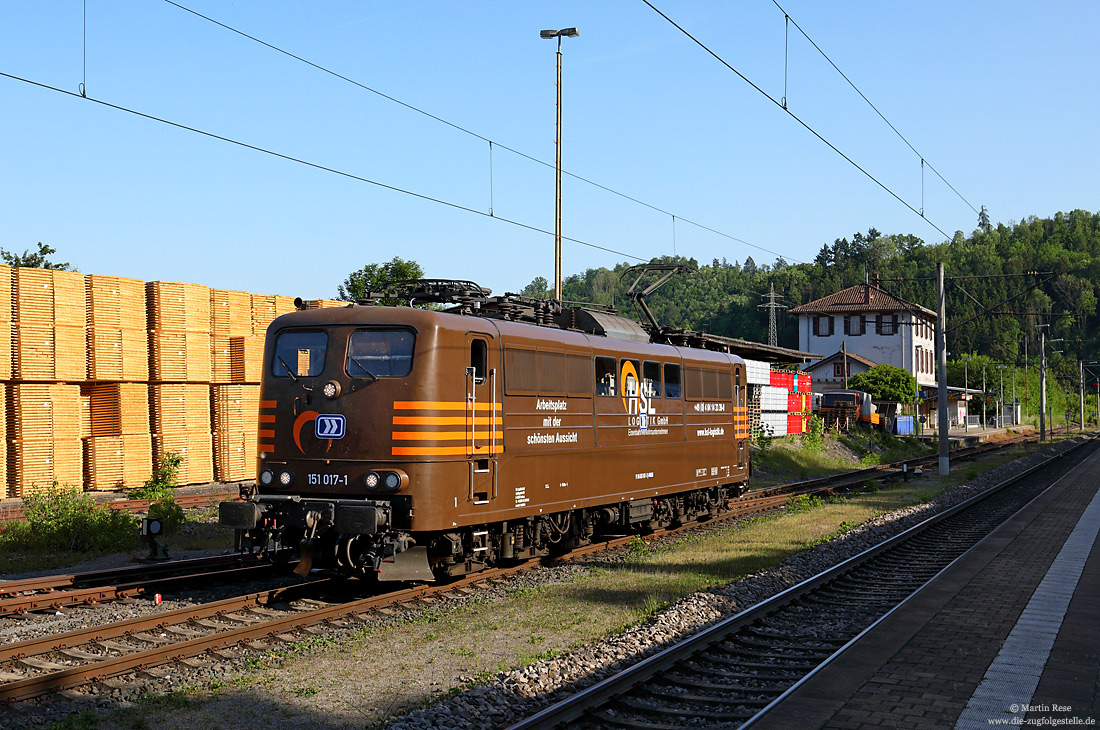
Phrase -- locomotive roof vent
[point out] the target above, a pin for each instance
(609, 325)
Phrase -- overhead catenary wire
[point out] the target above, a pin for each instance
(794, 116)
(314, 165)
(789, 19)
(472, 133)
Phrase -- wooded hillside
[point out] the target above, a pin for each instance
(993, 316)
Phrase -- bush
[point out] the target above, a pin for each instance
(164, 478)
(66, 519)
(168, 512)
(815, 435)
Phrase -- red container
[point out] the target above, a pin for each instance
(795, 424)
(776, 379)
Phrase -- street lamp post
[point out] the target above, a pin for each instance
(567, 33)
(966, 391)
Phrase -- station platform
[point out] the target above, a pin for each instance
(1007, 636)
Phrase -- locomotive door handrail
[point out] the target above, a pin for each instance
(471, 410)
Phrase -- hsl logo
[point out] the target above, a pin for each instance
(330, 426)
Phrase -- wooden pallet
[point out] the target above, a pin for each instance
(179, 357)
(246, 359)
(48, 352)
(324, 303)
(120, 355)
(116, 302)
(49, 297)
(178, 307)
(36, 465)
(180, 408)
(234, 456)
(221, 360)
(118, 462)
(6, 299)
(230, 313)
(117, 409)
(235, 408)
(195, 447)
(43, 411)
(265, 308)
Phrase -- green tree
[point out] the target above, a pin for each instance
(40, 260)
(374, 277)
(539, 288)
(885, 382)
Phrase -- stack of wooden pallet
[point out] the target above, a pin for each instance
(44, 421)
(49, 332)
(5, 325)
(179, 332)
(118, 446)
(324, 303)
(236, 422)
(118, 344)
(230, 316)
(181, 424)
(265, 308)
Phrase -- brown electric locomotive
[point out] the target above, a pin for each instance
(408, 443)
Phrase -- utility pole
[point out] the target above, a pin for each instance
(844, 352)
(941, 364)
(771, 305)
(1042, 383)
(1081, 365)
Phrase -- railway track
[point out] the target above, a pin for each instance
(134, 506)
(260, 621)
(55, 592)
(734, 671)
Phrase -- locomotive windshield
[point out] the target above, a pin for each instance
(299, 354)
(380, 353)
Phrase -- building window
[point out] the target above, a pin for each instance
(854, 325)
(838, 369)
(887, 324)
(823, 326)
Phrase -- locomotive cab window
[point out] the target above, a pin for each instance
(299, 354)
(651, 379)
(672, 381)
(605, 376)
(630, 374)
(479, 359)
(380, 353)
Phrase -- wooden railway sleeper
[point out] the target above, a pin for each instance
(755, 699)
(727, 690)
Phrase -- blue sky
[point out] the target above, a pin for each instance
(1001, 98)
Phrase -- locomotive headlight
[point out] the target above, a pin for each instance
(267, 477)
(392, 480)
(286, 478)
(372, 479)
(331, 389)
